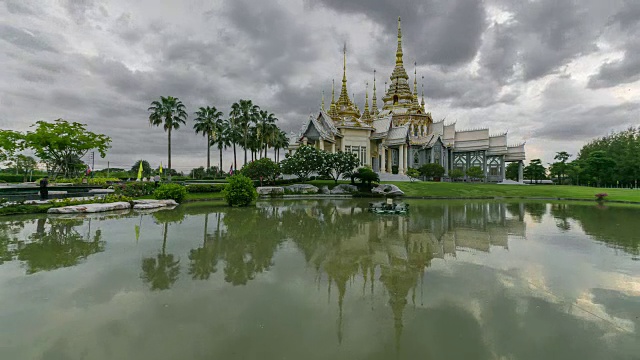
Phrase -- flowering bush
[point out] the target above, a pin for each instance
(303, 162)
(601, 196)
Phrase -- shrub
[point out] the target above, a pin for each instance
(12, 178)
(456, 174)
(475, 172)
(204, 188)
(263, 168)
(176, 192)
(338, 164)
(135, 189)
(366, 175)
(431, 170)
(239, 191)
(413, 174)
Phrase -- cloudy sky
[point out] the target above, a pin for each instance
(553, 73)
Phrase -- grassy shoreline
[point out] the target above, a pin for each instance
(435, 191)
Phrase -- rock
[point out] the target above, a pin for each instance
(101, 191)
(169, 202)
(325, 190)
(302, 189)
(90, 208)
(388, 190)
(58, 192)
(344, 189)
(270, 190)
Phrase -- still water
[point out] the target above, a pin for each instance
(324, 280)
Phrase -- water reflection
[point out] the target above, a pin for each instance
(455, 280)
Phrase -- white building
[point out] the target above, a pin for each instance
(403, 134)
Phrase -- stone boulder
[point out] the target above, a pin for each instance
(302, 189)
(270, 190)
(387, 190)
(101, 191)
(325, 190)
(153, 204)
(90, 208)
(344, 189)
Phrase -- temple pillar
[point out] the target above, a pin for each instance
(368, 155)
(342, 144)
(304, 140)
(520, 171)
(446, 162)
(383, 160)
(389, 160)
(486, 172)
(401, 159)
(320, 144)
(503, 172)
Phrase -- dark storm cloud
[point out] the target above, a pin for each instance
(30, 40)
(542, 36)
(627, 69)
(588, 123)
(19, 7)
(439, 32)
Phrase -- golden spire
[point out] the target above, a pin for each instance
(415, 80)
(366, 115)
(399, 94)
(422, 93)
(399, 50)
(374, 104)
(344, 105)
(333, 111)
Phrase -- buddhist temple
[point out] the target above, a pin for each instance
(402, 134)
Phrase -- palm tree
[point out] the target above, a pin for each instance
(243, 114)
(222, 137)
(264, 127)
(205, 123)
(163, 270)
(234, 136)
(281, 141)
(169, 112)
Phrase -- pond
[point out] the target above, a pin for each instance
(324, 279)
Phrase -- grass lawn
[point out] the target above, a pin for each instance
(465, 190)
(203, 196)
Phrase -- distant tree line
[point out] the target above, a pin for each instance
(612, 160)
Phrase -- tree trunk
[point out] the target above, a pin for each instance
(208, 151)
(169, 154)
(220, 169)
(235, 162)
(245, 148)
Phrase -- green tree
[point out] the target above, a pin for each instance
(262, 169)
(475, 172)
(243, 114)
(281, 141)
(10, 143)
(559, 168)
(23, 164)
(170, 113)
(512, 171)
(456, 174)
(303, 162)
(197, 173)
(535, 171)
(431, 170)
(221, 137)
(206, 122)
(338, 164)
(61, 144)
(146, 168)
(266, 130)
(600, 165)
(366, 175)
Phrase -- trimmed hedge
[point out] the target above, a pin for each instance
(204, 188)
(175, 192)
(12, 178)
